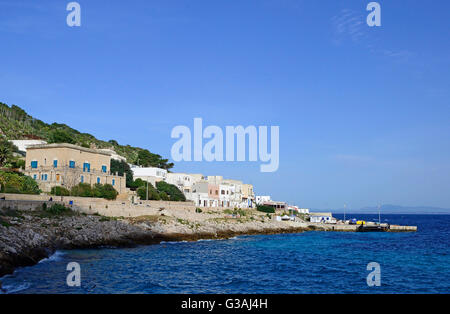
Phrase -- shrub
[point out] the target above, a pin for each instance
(198, 210)
(59, 191)
(152, 193)
(82, 190)
(105, 191)
(265, 209)
(164, 196)
(171, 190)
(13, 182)
(56, 209)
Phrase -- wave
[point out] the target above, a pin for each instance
(14, 289)
(57, 256)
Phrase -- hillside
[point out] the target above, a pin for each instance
(16, 124)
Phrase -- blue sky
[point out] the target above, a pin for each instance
(363, 112)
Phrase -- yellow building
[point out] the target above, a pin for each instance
(248, 196)
(68, 165)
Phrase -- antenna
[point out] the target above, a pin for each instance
(379, 214)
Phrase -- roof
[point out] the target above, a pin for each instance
(70, 146)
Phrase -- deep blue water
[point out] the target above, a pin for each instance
(310, 262)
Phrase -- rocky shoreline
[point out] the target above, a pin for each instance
(28, 237)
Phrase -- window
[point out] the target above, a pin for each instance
(34, 164)
(104, 169)
(98, 179)
(87, 167)
(113, 182)
(34, 177)
(82, 179)
(71, 164)
(55, 163)
(44, 177)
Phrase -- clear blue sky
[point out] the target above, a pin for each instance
(363, 112)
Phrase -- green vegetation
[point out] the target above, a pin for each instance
(198, 210)
(122, 167)
(7, 150)
(265, 209)
(17, 183)
(153, 194)
(62, 136)
(15, 123)
(56, 210)
(59, 191)
(163, 191)
(171, 190)
(105, 191)
(4, 223)
(147, 159)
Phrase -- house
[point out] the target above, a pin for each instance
(214, 190)
(262, 199)
(323, 219)
(276, 205)
(182, 181)
(114, 155)
(149, 174)
(248, 196)
(224, 195)
(22, 145)
(200, 194)
(68, 165)
(235, 187)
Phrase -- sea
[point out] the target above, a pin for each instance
(309, 262)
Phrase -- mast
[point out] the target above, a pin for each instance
(379, 214)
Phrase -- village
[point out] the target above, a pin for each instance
(67, 167)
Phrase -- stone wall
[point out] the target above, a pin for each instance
(94, 205)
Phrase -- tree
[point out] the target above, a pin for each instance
(82, 190)
(147, 159)
(153, 194)
(171, 190)
(61, 136)
(105, 191)
(7, 150)
(122, 167)
(13, 182)
(59, 191)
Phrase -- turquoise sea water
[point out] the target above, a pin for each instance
(310, 262)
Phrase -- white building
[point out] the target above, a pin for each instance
(22, 145)
(323, 219)
(235, 188)
(199, 194)
(149, 174)
(299, 210)
(182, 181)
(114, 155)
(260, 200)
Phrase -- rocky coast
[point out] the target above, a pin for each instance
(26, 237)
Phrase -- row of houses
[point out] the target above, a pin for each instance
(67, 165)
(204, 191)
